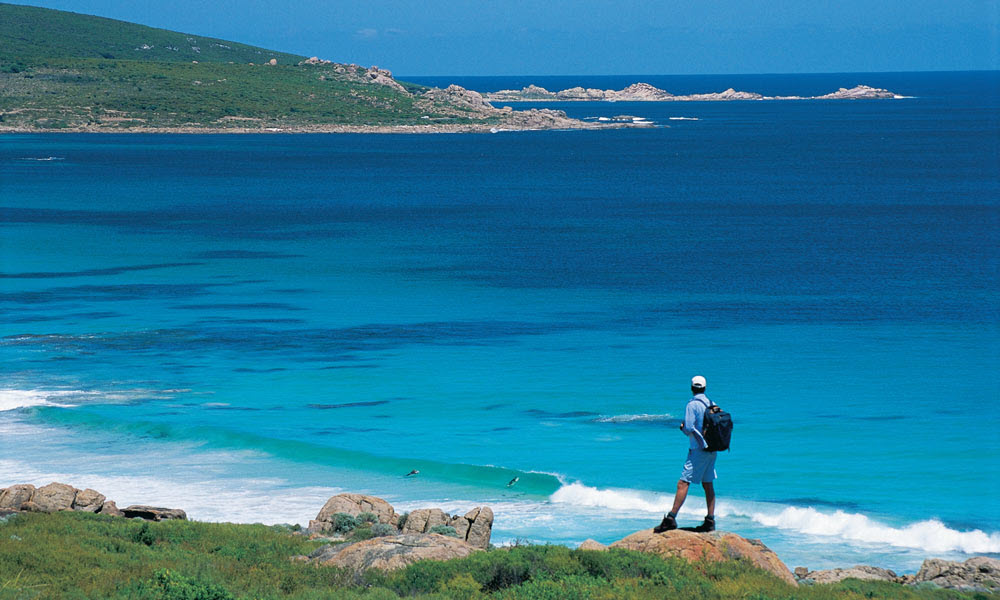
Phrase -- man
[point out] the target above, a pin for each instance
(700, 464)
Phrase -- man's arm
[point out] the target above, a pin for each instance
(690, 426)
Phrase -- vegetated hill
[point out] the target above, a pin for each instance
(61, 70)
(28, 33)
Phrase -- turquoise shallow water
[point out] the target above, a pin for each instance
(244, 325)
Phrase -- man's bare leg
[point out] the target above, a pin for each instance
(681, 496)
(709, 497)
(670, 519)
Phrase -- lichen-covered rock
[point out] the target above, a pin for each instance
(15, 496)
(459, 96)
(857, 572)
(111, 509)
(354, 505)
(475, 527)
(53, 498)
(461, 526)
(384, 77)
(320, 527)
(153, 513)
(392, 552)
(88, 500)
(424, 519)
(481, 527)
(593, 545)
(716, 546)
(979, 573)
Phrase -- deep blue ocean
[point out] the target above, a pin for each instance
(244, 325)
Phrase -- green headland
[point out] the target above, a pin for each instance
(62, 71)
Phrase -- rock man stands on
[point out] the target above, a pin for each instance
(700, 464)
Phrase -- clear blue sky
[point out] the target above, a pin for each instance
(600, 37)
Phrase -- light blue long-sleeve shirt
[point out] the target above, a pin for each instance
(694, 419)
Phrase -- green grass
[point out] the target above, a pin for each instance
(30, 33)
(61, 70)
(85, 556)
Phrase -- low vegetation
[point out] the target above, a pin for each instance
(61, 70)
(86, 556)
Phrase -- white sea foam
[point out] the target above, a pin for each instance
(930, 535)
(641, 418)
(251, 500)
(577, 494)
(13, 399)
(684, 119)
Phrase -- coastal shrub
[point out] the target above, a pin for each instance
(360, 534)
(73, 555)
(402, 520)
(383, 529)
(344, 523)
(143, 535)
(444, 530)
(462, 587)
(368, 517)
(178, 587)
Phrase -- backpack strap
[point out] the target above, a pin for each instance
(709, 405)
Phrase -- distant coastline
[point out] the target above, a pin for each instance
(492, 119)
(644, 92)
(67, 72)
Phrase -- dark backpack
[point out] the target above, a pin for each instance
(717, 427)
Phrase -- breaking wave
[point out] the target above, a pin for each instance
(11, 399)
(640, 418)
(930, 535)
(251, 500)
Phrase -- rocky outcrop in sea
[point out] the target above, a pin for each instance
(457, 101)
(447, 104)
(644, 92)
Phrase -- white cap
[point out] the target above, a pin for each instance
(698, 382)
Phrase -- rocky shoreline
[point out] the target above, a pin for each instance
(644, 92)
(398, 540)
(460, 110)
(457, 110)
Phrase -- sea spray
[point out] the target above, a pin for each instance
(931, 535)
(13, 399)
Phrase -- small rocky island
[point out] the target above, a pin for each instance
(644, 92)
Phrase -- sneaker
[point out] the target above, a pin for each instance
(707, 525)
(666, 524)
